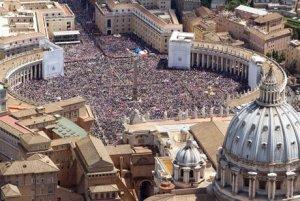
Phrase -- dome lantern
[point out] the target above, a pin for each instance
(270, 94)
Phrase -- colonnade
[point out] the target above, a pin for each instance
(220, 62)
(26, 73)
(273, 183)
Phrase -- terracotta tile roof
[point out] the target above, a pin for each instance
(37, 120)
(35, 138)
(104, 188)
(62, 141)
(10, 191)
(33, 165)
(209, 137)
(119, 149)
(20, 37)
(268, 17)
(93, 153)
(24, 113)
(70, 101)
(12, 122)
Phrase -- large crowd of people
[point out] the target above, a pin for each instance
(108, 84)
(99, 69)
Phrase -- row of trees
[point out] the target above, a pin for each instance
(279, 57)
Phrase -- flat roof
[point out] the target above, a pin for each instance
(249, 9)
(66, 33)
(67, 128)
(182, 36)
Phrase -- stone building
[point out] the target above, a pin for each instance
(94, 169)
(45, 18)
(154, 26)
(261, 31)
(31, 179)
(292, 56)
(135, 164)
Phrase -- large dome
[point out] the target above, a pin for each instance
(189, 155)
(265, 131)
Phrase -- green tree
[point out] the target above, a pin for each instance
(281, 58)
(232, 4)
(275, 55)
(206, 3)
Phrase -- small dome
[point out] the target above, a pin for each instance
(189, 155)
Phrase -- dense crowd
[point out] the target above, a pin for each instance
(107, 84)
(99, 69)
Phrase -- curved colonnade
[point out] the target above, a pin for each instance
(20, 68)
(236, 61)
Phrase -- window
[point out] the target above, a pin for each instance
(278, 185)
(181, 173)
(191, 174)
(262, 185)
(108, 23)
(50, 189)
(246, 182)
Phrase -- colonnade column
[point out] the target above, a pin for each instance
(186, 174)
(35, 72)
(197, 174)
(252, 184)
(192, 59)
(222, 64)
(176, 171)
(214, 65)
(223, 174)
(234, 180)
(290, 176)
(197, 59)
(271, 185)
(31, 72)
(40, 71)
(207, 61)
(239, 66)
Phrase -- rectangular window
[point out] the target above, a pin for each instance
(108, 23)
(262, 185)
(246, 182)
(50, 189)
